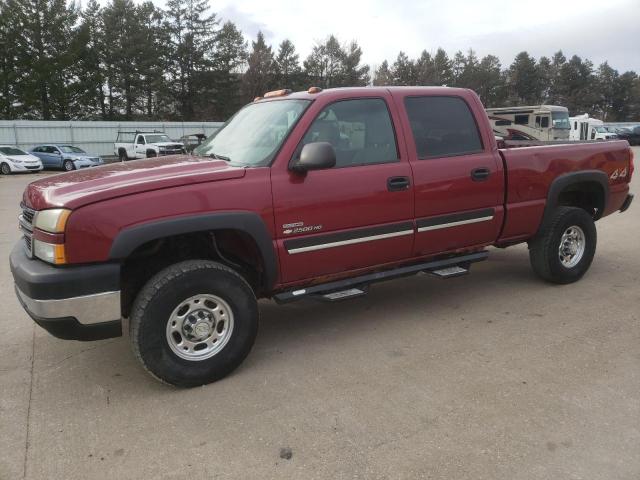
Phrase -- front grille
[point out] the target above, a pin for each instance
(28, 243)
(26, 226)
(28, 214)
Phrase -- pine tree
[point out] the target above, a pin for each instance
(88, 64)
(403, 70)
(442, 70)
(606, 78)
(353, 73)
(192, 38)
(490, 84)
(229, 57)
(424, 69)
(287, 67)
(524, 81)
(42, 56)
(324, 65)
(260, 75)
(383, 75)
(8, 74)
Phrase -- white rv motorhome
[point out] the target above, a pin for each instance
(539, 122)
(585, 128)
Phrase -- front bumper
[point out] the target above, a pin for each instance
(74, 302)
(22, 167)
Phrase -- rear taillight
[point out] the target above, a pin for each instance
(630, 163)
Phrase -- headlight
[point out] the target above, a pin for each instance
(15, 160)
(49, 252)
(52, 221)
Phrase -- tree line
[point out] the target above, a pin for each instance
(126, 61)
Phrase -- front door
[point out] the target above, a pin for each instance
(458, 177)
(356, 215)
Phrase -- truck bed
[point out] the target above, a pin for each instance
(530, 171)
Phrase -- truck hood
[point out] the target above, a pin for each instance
(82, 187)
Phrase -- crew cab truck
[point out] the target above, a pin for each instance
(139, 144)
(314, 194)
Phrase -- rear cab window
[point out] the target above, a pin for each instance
(442, 126)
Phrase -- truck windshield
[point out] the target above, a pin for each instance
(254, 134)
(560, 120)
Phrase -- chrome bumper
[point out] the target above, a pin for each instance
(88, 309)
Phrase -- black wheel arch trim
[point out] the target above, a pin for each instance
(568, 179)
(248, 222)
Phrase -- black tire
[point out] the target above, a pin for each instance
(5, 169)
(544, 250)
(162, 295)
(122, 155)
(68, 166)
(151, 154)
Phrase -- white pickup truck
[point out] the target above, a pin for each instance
(132, 145)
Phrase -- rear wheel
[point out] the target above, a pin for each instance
(122, 155)
(563, 251)
(5, 169)
(193, 323)
(68, 165)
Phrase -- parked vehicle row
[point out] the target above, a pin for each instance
(53, 156)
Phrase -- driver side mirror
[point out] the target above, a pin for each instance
(315, 156)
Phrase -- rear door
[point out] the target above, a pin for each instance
(457, 172)
(356, 215)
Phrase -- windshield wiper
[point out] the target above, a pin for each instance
(219, 157)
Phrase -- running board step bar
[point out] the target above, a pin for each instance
(343, 289)
(450, 272)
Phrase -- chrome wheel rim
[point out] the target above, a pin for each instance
(68, 166)
(199, 327)
(572, 246)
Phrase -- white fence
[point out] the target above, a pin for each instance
(93, 137)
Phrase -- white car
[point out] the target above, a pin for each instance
(14, 160)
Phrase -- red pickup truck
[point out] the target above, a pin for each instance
(313, 194)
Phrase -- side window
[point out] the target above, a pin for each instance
(593, 133)
(545, 122)
(51, 150)
(360, 131)
(140, 140)
(502, 123)
(442, 126)
(37, 150)
(537, 121)
(522, 119)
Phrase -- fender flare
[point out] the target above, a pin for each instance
(568, 179)
(250, 223)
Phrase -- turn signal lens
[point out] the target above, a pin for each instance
(631, 158)
(53, 220)
(49, 252)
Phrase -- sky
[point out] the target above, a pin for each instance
(598, 30)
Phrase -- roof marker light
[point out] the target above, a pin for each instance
(277, 93)
(314, 90)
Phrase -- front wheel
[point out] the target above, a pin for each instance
(193, 323)
(68, 166)
(562, 253)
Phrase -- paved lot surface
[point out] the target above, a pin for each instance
(491, 376)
